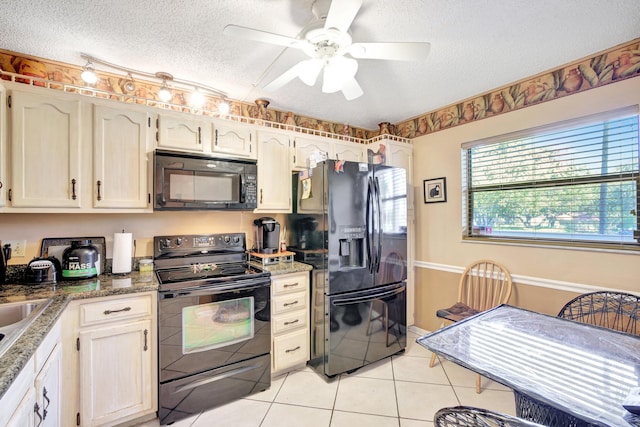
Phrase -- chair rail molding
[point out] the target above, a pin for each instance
(559, 285)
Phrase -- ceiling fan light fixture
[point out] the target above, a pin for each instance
(336, 72)
(309, 71)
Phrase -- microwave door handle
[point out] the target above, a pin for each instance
(163, 188)
(243, 192)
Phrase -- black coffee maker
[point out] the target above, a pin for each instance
(267, 235)
(5, 255)
(307, 237)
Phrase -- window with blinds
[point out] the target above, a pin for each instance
(573, 182)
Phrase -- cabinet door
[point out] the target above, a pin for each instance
(120, 158)
(349, 151)
(48, 390)
(233, 140)
(183, 132)
(24, 415)
(274, 173)
(45, 151)
(304, 148)
(115, 372)
(3, 146)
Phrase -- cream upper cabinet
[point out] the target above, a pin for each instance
(183, 132)
(3, 146)
(348, 151)
(274, 172)
(45, 151)
(305, 148)
(234, 140)
(120, 169)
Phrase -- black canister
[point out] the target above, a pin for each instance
(80, 261)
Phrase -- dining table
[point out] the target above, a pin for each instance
(562, 372)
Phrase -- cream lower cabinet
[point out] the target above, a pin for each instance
(35, 397)
(289, 321)
(113, 370)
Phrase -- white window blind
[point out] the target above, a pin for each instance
(571, 182)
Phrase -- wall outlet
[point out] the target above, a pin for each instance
(18, 247)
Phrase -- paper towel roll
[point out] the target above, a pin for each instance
(122, 246)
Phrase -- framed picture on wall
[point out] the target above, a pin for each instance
(435, 190)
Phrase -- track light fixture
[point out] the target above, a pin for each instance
(196, 100)
(165, 93)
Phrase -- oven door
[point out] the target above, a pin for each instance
(206, 328)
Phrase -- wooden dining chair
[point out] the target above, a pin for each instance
(609, 309)
(467, 416)
(483, 285)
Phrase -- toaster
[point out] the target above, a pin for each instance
(42, 270)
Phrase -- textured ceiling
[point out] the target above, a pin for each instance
(476, 45)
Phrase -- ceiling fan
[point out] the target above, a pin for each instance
(328, 44)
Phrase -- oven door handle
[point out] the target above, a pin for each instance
(202, 382)
(217, 289)
(367, 298)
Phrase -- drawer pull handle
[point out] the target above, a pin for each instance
(287, 304)
(292, 349)
(107, 312)
(146, 332)
(293, 322)
(291, 285)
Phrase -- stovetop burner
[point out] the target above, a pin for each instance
(194, 272)
(202, 260)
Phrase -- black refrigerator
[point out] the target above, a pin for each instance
(359, 297)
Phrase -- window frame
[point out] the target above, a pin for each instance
(528, 240)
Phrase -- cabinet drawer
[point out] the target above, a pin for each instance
(115, 309)
(286, 303)
(283, 285)
(288, 322)
(290, 349)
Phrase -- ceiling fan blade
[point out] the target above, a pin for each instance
(336, 72)
(351, 89)
(284, 78)
(261, 36)
(341, 14)
(400, 51)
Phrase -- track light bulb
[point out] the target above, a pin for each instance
(197, 99)
(224, 107)
(129, 85)
(88, 74)
(164, 94)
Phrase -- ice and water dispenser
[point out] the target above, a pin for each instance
(351, 251)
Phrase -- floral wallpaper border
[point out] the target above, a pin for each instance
(612, 65)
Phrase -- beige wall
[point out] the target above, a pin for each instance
(439, 225)
(34, 227)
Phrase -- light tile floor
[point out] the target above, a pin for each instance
(401, 391)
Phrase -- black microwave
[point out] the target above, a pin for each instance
(185, 181)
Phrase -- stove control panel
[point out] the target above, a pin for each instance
(200, 242)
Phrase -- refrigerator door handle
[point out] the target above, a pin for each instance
(378, 225)
(367, 298)
(369, 226)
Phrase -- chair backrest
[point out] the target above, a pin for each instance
(613, 310)
(484, 285)
(467, 416)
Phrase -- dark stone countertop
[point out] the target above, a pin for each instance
(19, 353)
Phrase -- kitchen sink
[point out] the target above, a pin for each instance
(15, 318)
